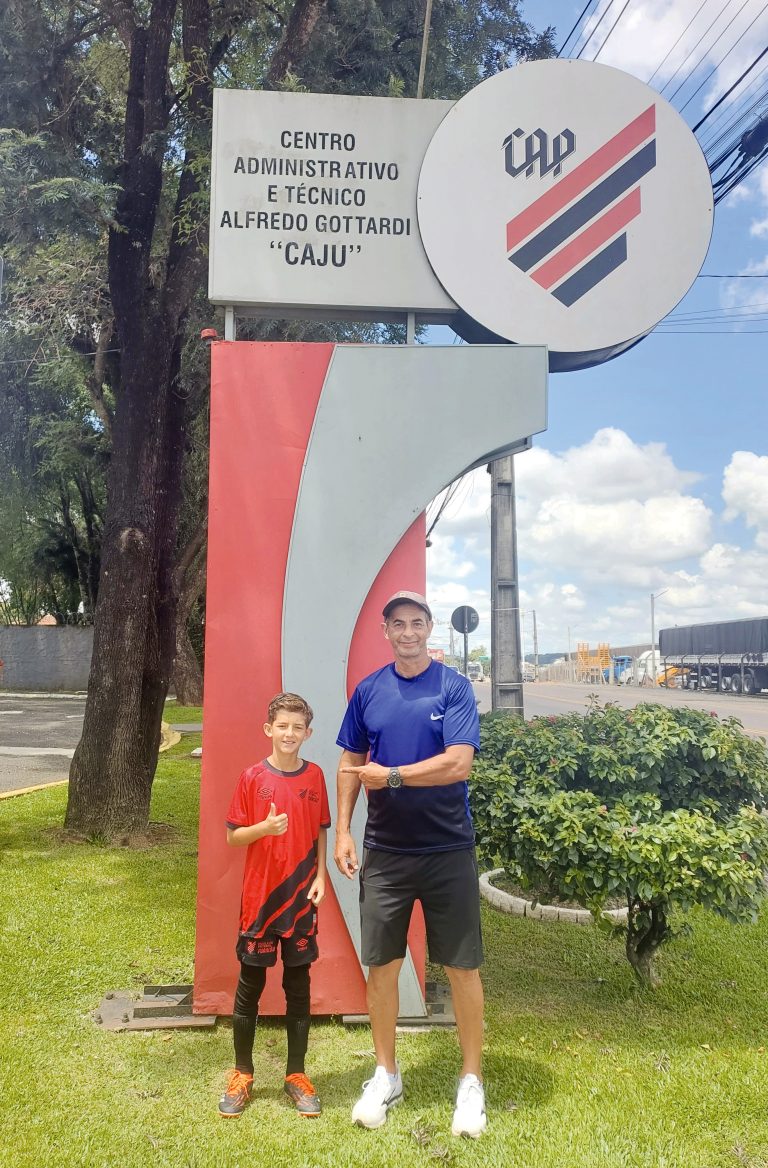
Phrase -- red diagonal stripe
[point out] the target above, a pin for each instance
(593, 237)
(583, 176)
(299, 887)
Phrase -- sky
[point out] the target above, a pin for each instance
(652, 476)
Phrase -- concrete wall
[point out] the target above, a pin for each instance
(45, 657)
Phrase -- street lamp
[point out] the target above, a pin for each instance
(571, 674)
(654, 598)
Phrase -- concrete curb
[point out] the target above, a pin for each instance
(168, 737)
(518, 907)
(54, 695)
(29, 790)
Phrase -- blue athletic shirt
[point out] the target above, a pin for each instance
(403, 720)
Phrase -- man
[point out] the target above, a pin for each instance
(418, 723)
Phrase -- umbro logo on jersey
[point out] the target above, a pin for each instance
(266, 793)
(436, 717)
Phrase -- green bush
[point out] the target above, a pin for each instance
(658, 807)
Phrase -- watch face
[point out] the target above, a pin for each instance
(395, 778)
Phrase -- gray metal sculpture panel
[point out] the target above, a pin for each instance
(393, 427)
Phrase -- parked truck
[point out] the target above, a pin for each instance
(731, 656)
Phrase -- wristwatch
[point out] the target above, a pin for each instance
(394, 778)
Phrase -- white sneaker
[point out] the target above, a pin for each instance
(379, 1094)
(469, 1118)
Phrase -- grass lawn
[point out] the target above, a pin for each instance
(174, 712)
(582, 1070)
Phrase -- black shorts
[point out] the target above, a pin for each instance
(298, 949)
(446, 883)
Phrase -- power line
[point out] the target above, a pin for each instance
(677, 42)
(579, 19)
(49, 360)
(746, 309)
(687, 58)
(727, 55)
(716, 41)
(733, 113)
(737, 178)
(735, 119)
(603, 15)
(613, 26)
(710, 332)
(447, 497)
(718, 321)
(735, 85)
(748, 147)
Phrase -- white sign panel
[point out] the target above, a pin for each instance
(313, 204)
(565, 203)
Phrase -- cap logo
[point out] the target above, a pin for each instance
(537, 150)
(584, 222)
(546, 197)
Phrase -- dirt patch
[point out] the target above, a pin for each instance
(156, 835)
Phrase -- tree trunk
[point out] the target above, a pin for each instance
(134, 630)
(135, 623)
(643, 939)
(303, 19)
(114, 764)
(190, 582)
(187, 674)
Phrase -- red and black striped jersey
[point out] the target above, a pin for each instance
(279, 869)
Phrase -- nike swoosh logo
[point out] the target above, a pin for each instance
(436, 717)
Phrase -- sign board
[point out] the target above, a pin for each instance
(560, 202)
(313, 205)
(565, 203)
(465, 619)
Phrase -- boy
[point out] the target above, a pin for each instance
(280, 812)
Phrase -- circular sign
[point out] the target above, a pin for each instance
(565, 203)
(465, 619)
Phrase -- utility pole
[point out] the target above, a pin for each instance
(506, 680)
(653, 632)
(535, 648)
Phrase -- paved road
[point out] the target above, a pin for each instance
(38, 736)
(545, 697)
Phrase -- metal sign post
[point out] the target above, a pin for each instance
(465, 620)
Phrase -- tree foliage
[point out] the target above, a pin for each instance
(660, 807)
(104, 157)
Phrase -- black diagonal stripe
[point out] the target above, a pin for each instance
(287, 919)
(587, 208)
(283, 893)
(593, 272)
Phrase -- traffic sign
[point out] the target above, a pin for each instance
(465, 619)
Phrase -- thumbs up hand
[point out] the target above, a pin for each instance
(275, 824)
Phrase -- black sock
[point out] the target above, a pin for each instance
(297, 1030)
(243, 1032)
(246, 1011)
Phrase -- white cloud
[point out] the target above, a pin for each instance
(664, 42)
(444, 562)
(600, 527)
(617, 536)
(745, 489)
